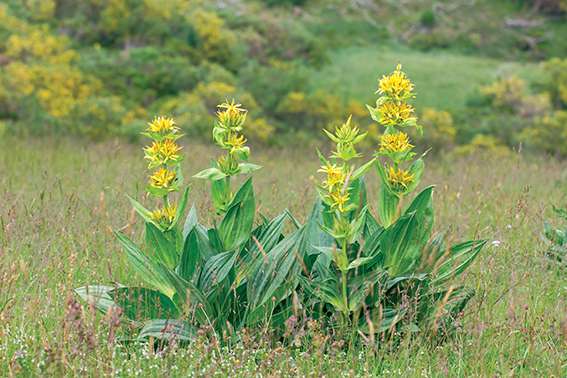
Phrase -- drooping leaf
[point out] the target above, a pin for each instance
(97, 295)
(139, 303)
(167, 330)
(143, 212)
(153, 272)
(459, 258)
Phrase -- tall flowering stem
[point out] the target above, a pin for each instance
(340, 193)
(228, 135)
(163, 156)
(400, 172)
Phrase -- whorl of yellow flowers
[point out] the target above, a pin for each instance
(164, 161)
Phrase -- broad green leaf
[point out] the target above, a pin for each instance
(358, 262)
(191, 255)
(153, 272)
(388, 201)
(246, 168)
(98, 295)
(161, 246)
(277, 269)
(313, 236)
(190, 221)
(139, 303)
(212, 174)
(460, 257)
(416, 169)
(216, 269)
(180, 208)
(168, 330)
(360, 171)
(236, 226)
(395, 242)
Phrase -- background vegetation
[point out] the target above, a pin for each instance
(490, 74)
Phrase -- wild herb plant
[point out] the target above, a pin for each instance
(556, 238)
(200, 277)
(344, 267)
(382, 275)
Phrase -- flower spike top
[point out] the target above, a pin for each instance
(346, 137)
(397, 86)
(394, 113)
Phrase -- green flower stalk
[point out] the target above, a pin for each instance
(338, 192)
(227, 134)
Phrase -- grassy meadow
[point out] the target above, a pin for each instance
(62, 198)
(446, 80)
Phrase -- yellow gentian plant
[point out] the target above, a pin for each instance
(385, 274)
(228, 135)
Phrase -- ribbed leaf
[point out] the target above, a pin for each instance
(153, 272)
(98, 296)
(216, 269)
(388, 201)
(460, 257)
(274, 271)
(161, 246)
(191, 255)
(167, 329)
(236, 226)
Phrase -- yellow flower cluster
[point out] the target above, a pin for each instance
(397, 86)
(395, 113)
(164, 158)
(164, 152)
(336, 193)
(165, 215)
(163, 178)
(399, 179)
(395, 143)
(163, 125)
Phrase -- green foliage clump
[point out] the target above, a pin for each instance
(351, 272)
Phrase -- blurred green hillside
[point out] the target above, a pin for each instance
(490, 74)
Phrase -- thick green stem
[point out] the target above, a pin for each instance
(344, 282)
